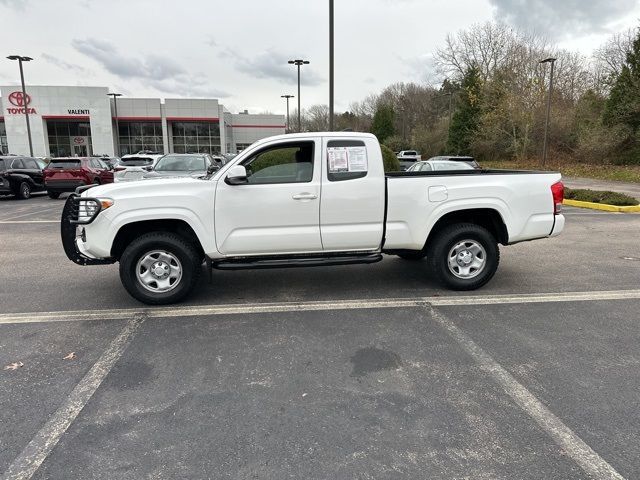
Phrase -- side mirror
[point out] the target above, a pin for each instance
(212, 168)
(237, 176)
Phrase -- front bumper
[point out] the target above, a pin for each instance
(71, 230)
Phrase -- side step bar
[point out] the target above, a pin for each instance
(245, 263)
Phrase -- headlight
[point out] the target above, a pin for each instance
(88, 209)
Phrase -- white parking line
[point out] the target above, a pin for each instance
(581, 453)
(243, 308)
(9, 219)
(28, 462)
(29, 221)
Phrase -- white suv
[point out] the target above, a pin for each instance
(133, 166)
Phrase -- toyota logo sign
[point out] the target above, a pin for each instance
(18, 99)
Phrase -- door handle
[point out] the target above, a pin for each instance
(304, 196)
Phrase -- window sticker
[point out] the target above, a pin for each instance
(347, 159)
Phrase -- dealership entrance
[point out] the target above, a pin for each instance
(69, 138)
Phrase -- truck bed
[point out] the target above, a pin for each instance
(416, 200)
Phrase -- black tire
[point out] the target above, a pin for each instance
(183, 250)
(96, 181)
(443, 244)
(412, 256)
(53, 195)
(24, 191)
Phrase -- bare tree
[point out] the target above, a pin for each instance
(317, 118)
(612, 55)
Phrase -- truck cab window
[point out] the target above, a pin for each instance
(285, 163)
(335, 175)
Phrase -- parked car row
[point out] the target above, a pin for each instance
(411, 160)
(20, 176)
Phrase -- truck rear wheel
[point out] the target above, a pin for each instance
(464, 256)
(159, 268)
(53, 195)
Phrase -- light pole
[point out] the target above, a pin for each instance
(115, 112)
(450, 95)
(287, 97)
(552, 61)
(330, 65)
(298, 63)
(25, 98)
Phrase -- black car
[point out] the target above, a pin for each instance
(20, 176)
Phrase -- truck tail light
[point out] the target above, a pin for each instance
(557, 190)
(119, 169)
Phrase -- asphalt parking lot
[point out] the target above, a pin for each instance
(367, 371)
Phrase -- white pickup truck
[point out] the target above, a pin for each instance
(309, 199)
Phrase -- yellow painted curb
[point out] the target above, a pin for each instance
(601, 206)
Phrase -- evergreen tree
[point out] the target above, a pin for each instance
(466, 118)
(383, 122)
(623, 104)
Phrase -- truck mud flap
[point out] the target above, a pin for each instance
(68, 234)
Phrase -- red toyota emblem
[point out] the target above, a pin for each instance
(78, 140)
(18, 99)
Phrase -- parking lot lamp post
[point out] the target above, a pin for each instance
(115, 112)
(331, 70)
(450, 95)
(552, 61)
(25, 103)
(287, 97)
(298, 63)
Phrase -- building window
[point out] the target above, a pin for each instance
(4, 147)
(196, 137)
(138, 136)
(68, 139)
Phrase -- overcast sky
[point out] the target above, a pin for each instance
(237, 50)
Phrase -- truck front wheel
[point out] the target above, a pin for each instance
(159, 268)
(464, 256)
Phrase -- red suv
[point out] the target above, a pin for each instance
(66, 174)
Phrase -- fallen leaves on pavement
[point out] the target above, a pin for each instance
(14, 366)
(71, 356)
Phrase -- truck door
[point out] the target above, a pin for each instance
(353, 197)
(277, 211)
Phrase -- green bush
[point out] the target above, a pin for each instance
(389, 159)
(596, 196)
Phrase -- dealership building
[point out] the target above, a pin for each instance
(79, 121)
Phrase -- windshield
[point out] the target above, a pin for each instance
(64, 164)
(446, 165)
(136, 161)
(180, 163)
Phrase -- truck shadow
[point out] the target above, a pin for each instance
(390, 278)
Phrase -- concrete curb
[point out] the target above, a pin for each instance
(601, 206)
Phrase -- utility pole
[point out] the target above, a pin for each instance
(287, 97)
(298, 63)
(552, 61)
(115, 108)
(331, 70)
(25, 97)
